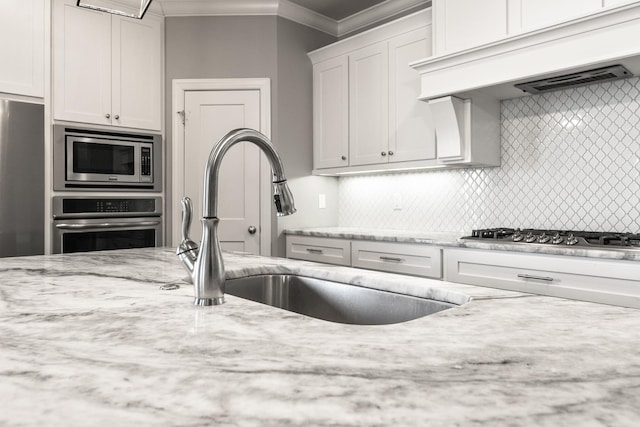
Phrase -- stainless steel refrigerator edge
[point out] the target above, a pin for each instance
(21, 178)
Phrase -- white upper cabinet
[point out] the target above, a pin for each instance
(366, 110)
(22, 31)
(411, 134)
(461, 24)
(331, 113)
(368, 105)
(82, 64)
(527, 15)
(464, 24)
(137, 72)
(107, 69)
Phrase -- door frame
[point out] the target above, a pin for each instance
(179, 89)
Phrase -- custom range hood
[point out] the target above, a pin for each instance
(593, 49)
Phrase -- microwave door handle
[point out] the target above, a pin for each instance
(72, 226)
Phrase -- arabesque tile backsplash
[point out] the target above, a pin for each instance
(570, 160)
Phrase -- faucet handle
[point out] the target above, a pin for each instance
(187, 210)
(186, 244)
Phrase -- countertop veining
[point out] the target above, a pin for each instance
(90, 339)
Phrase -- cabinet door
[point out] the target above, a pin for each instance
(462, 24)
(417, 260)
(319, 249)
(528, 15)
(597, 280)
(369, 105)
(81, 64)
(411, 132)
(22, 47)
(137, 72)
(331, 113)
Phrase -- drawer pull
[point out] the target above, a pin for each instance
(391, 259)
(529, 276)
(314, 251)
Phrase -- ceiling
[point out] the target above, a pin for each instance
(335, 17)
(337, 9)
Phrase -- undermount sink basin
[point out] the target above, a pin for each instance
(333, 301)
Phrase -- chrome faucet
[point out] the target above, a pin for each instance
(205, 264)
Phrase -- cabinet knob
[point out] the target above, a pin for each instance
(116, 117)
(384, 153)
(252, 229)
(344, 157)
(390, 152)
(108, 116)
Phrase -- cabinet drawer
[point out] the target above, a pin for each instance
(411, 259)
(331, 251)
(587, 279)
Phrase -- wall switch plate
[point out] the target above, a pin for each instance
(322, 201)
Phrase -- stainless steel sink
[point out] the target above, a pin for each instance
(332, 301)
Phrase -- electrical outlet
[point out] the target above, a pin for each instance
(322, 201)
(397, 202)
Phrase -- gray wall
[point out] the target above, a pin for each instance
(258, 46)
(294, 98)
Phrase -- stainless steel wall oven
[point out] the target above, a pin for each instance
(106, 160)
(83, 224)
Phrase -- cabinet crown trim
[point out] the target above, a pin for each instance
(384, 32)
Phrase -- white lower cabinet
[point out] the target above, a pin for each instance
(587, 279)
(319, 249)
(403, 258)
(417, 260)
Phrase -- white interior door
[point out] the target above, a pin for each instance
(209, 115)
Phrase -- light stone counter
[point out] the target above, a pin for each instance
(455, 240)
(91, 340)
(380, 235)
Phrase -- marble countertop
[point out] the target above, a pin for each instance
(446, 239)
(90, 339)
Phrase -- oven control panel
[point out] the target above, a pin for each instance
(104, 206)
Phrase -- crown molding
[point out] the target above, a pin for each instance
(291, 11)
(309, 18)
(377, 13)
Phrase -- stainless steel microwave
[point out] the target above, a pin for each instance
(105, 160)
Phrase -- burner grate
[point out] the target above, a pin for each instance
(558, 237)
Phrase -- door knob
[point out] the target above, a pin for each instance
(252, 229)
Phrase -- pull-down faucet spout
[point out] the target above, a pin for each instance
(205, 264)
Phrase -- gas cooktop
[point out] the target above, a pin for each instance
(567, 238)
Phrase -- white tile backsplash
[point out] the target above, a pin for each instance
(570, 160)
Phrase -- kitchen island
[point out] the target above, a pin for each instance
(91, 339)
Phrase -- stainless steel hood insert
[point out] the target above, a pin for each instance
(584, 78)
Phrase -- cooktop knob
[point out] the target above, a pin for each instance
(530, 237)
(543, 238)
(557, 239)
(572, 240)
(517, 236)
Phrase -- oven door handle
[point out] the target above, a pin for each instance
(72, 226)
